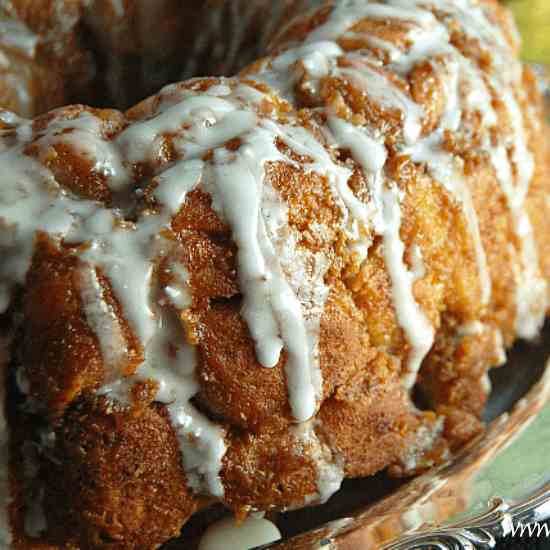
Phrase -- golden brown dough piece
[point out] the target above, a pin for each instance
(229, 292)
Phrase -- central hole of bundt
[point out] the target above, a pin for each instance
(202, 46)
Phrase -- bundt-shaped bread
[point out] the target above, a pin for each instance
(233, 291)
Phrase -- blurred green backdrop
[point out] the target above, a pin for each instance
(533, 17)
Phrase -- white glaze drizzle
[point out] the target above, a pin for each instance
(425, 436)
(236, 184)
(430, 39)
(228, 534)
(118, 8)
(32, 202)
(125, 253)
(417, 262)
(278, 314)
(371, 156)
(531, 292)
(330, 473)
(86, 140)
(15, 35)
(447, 170)
(178, 291)
(531, 288)
(381, 90)
(347, 13)
(103, 321)
(500, 350)
(465, 89)
(472, 328)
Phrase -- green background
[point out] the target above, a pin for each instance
(533, 17)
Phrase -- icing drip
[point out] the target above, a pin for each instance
(417, 262)
(282, 283)
(118, 7)
(227, 534)
(177, 292)
(103, 321)
(387, 95)
(236, 183)
(125, 254)
(447, 170)
(531, 294)
(429, 38)
(263, 282)
(371, 155)
(465, 89)
(15, 35)
(347, 13)
(33, 202)
(330, 473)
(86, 139)
(417, 327)
(237, 198)
(171, 363)
(531, 288)
(426, 435)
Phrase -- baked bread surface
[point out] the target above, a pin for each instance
(233, 291)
